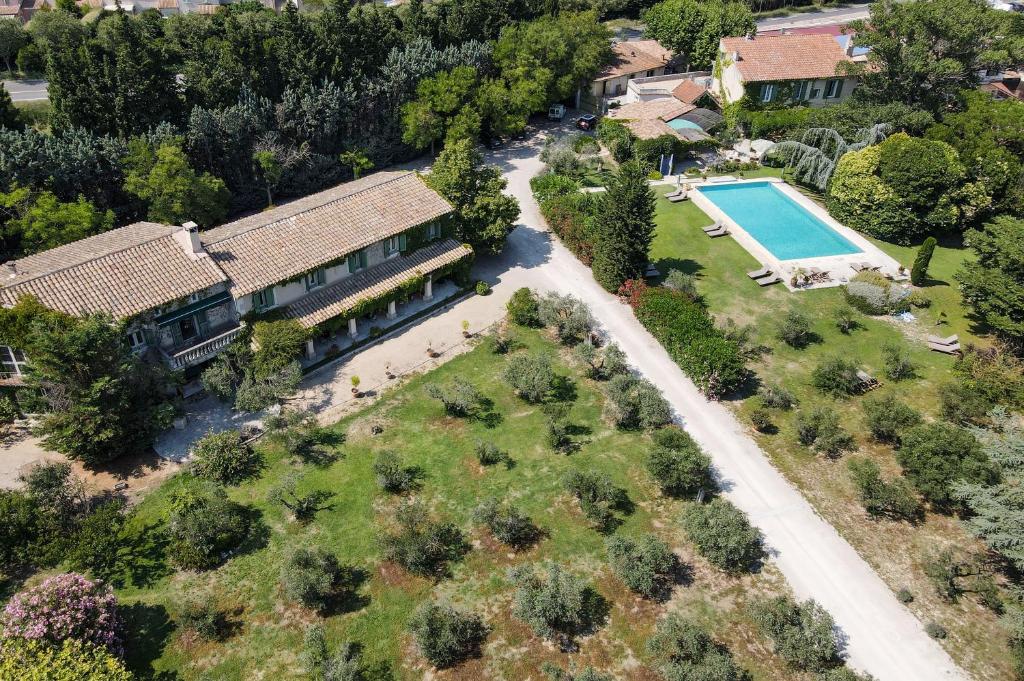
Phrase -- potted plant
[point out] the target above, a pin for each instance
(355, 385)
(465, 329)
(430, 349)
(387, 371)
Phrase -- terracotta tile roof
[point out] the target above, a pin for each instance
(785, 57)
(121, 272)
(688, 91)
(281, 243)
(664, 109)
(387, 276)
(9, 10)
(634, 56)
(207, 9)
(167, 4)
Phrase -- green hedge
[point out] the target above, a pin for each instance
(686, 330)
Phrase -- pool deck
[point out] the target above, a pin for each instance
(839, 267)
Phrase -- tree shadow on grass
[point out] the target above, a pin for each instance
(563, 389)
(351, 600)
(596, 609)
(486, 415)
(142, 558)
(684, 265)
(148, 628)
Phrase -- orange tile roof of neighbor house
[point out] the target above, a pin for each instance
(785, 57)
(634, 56)
(688, 92)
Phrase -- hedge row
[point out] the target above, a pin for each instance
(686, 330)
(568, 212)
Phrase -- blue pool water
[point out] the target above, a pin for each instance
(682, 123)
(777, 222)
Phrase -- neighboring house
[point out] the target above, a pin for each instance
(688, 88)
(12, 10)
(324, 260)
(1005, 85)
(631, 59)
(666, 116)
(783, 69)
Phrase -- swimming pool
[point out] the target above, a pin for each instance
(683, 124)
(777, 222)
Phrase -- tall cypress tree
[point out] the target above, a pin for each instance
(624, 227)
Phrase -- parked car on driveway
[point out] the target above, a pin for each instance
(586, 122)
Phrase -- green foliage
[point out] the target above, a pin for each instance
(315, 579)
(723, 535)
(441, 109)
(886, 416)
(803, 634)
(43, 221)
(224, 458)
(893, 499)
(845, 319)
(687, 332)
(278, 343)
(898, 366)
(460, 399)
(820, 430)
(19, 527)
(682, 282)
(552, 185)
(393, 476)
(33, 660)
(567, 315)
(645, 565)
(684, 650)
(873, 294)
(484, 216)
(507, 523)
(694, 28)
(482, 288)
(761, 419)
(522, 308)
(678, 464)
(98, 540)
(219, 378)
(795, 329)
(936, 630)
(599, 497)
(836, 376)
(624, 227)
(572, 217)
(530, 375)
(446, 636)
(934, 456)
(254, 394)
(555, 605)
(303, 505)
(199, 615)
(173, 191)
(420, 545)
(203, 526)
(993, 285)
(556, 673)
(636, 403)
(602, 363)
(919, 272)
(774, 396)
(488, 454)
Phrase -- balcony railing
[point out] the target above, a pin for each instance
(203, 350)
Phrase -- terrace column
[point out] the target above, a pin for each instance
(353, 330)
(392, 310)
(310, 350)
(428, 288)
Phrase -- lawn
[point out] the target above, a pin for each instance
(896, 550)
(267, 630)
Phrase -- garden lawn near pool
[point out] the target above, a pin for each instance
(267, 631)
(895, 550)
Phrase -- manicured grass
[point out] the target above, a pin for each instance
(268, 631)
(896, 550)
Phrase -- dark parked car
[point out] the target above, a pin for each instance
(586, 122)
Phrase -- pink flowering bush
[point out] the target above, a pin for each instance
(67, 606)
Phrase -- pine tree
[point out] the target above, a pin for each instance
(624, 227)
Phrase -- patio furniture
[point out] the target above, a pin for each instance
(721, 231)
(678, 197)
(768, 281)
(712, 228)
(677, 192)
(950, 349)
(758, 274)
(948, 340)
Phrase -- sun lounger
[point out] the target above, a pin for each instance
(768, 281)
(677, 192)
(952, 349)
(712, 228)
(758, 274)
(677, 198)
(722, 231)
(948, 340)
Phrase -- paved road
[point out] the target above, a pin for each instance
(26, 90)
(883, 637)
(834, 15)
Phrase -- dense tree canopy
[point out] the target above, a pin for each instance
(693, 28)
(624, 227)
(993, 285)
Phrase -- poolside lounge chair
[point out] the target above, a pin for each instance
(768, 281)
(712, 228)
(758, 274)
(951, 349)
(677, 192)
(721, 231)
(948, 340)
(678, 197)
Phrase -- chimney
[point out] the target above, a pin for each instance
(187, 237)
(735, 56)
(749, 37)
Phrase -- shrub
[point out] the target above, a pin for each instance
(761, 419)
(483, 288)
(219, 379)
(314, 578)
(553, 605)
(685, 329)
(501, 342)
(845, 319)
(278, 344)
(522, 308)
(645, 565)
(97, 542)
(887, 417)
(637, 403)
(33, 660)
(551, 185)
(776, 397)
(461, 398)
(488, 454)
(685, 651)
(943, 570)
(200, 616)
(919, 272)
(897, 365)
(803, 634)
(255, 394)
(723, 535)
(557, 429)
(892, 499)
(795, 329)
(935, 455)
(959, 403)
(531, 376)
(20, 527)
(303, 506)
(301, 435)
(903, 595)
(836, 376)
(683, 283)
(421, 545)
(820, 430)
(446, 636)
(567, 315)
(67, 606)
(678, 465)
(602, 363)
(556, 673)
(224, 458)
(873, 294)
(204, 526)
(508, 524)
(936, 630)
(393, 476)
(597, 495)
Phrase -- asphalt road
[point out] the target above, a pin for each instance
(823, 17)
(26, 90)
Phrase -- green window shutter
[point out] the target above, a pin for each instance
(270, 296)
(321, 276)
(255, 301)
(362, 259)
(839, 89)
(403, 242)
(353, 262)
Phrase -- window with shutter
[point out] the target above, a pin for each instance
(403, 243)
